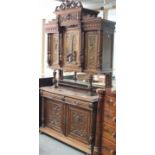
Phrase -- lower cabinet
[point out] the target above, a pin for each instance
(69, 119)
(80, 120)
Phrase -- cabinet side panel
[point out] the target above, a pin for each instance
(107, 52)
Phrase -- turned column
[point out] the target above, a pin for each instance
(55, 79)
(108, 80)
(98, 135)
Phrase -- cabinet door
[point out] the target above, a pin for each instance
(53, 50)
(78, 124)
(54, 115)
(71, 50)
(91, 51)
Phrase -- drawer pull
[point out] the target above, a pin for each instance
(112, 152)
(110, 101)
(114, 119)
(63, 98)
(114, 104)
(114, 134)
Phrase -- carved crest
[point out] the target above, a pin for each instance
(67, 4)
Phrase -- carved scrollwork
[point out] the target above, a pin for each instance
(67, 4)
(68, 17)
(54, 117)
(79, 126)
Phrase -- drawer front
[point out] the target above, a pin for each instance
(68, 100)
(78, 103)
(52, 96)
(110, 118)
(108, 148)
(54, 115)
(109, 132)
(110, 103)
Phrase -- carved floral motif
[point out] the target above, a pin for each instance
(79, 123)
(92, 49)
(67, 17)
(54, 116)
(55, 50)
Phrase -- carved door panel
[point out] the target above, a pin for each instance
(91, 51)
(71, 50)
(78, 124)
(53, 50)
(54, 115)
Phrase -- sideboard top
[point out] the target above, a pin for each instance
(71, 92)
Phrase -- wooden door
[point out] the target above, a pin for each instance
(78, 124)
(92, 49)
(71, 50)
(54, 115)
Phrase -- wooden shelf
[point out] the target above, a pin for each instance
(72, 142)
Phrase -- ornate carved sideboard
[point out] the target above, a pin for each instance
(80, 42)
(69, 115)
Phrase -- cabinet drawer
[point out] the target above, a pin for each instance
(108, 148)
(78, 103)
(110, 117)
(52, 96)
(68, 100)
(109, 132)
(110, 103)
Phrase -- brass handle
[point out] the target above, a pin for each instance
(114, 134)
(110, 101)
(114, 119)
(112, 152)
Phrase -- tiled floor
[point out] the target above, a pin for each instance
(50, 146)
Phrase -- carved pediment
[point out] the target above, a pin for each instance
(67, 4)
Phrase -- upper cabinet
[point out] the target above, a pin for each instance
(78, 40)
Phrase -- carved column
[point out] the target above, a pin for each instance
(108, 80)
(60, 74)
(49, 39)
(98, 136)
(90, 84)
(55, 78)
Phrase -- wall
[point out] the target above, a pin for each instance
(47, 8)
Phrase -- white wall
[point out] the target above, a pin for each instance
(47, 8)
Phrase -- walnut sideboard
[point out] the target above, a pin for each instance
(69, 116)
(80, 120)
(73, 111)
